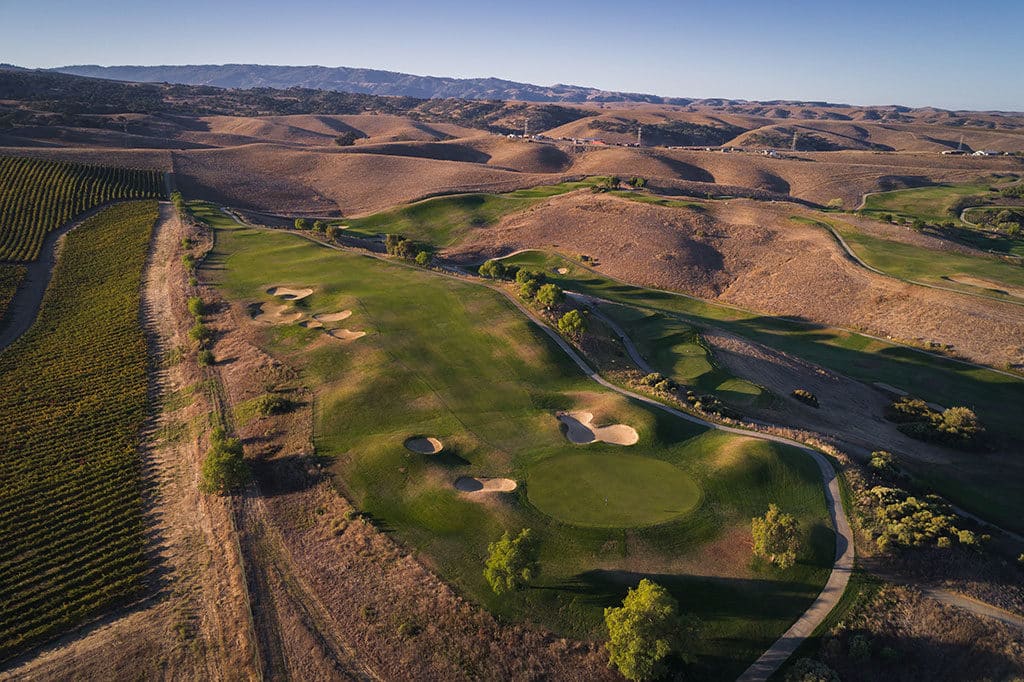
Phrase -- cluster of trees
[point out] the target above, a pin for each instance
(642, 633)
(533, 286)
(322, 226)
(397, 245)
(224, 469)
(954, 426)
(199, 332)
(776, 537)
(904, 520)
(1008, 220)
(708, 402)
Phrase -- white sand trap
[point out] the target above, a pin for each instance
(346, 334)
(279, 315)
(580, 430)
(562, 271)
(311, 324)
(333, 317)
(289, 294)
(424, 446)
(469, 484)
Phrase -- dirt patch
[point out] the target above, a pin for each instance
(470, 484)
(333, 317)
(277, 315)
(424, 446)
(290, 294)
(346, 334)
(579, 429)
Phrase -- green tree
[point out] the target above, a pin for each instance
(224, 469)
(331, 233)
(200, 333)
(493, 269)
(776, 537)
(196, 307)
(319, 225)
(645, 630)
(571, 324)
(511, 562)
(422, 258)
(346, 139)
(301, 223)
(528, 289)
(523, 275)
(550, 295)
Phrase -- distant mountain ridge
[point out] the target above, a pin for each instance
(364, 81)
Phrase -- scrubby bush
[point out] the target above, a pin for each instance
(806, 397)
(776, 537)
(571, 324)
(811, 670)
(301, 223)
(528, 289)
(397, 245)
(224, 470)
(835, 203)
(204, 357)
(904, 520)
(319, 226)
(200, 333)
(955, 426)
(196, 307)
(637, 182)
(511, 562)
(331, 232)
(423, 259)
(189, 261)
(550, 295)
(883, 462)
(492, 269)
(271, 404)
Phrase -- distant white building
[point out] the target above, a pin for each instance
(987, 152)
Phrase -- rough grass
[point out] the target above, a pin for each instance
(456, 361)
(980, 484)
(931, 204)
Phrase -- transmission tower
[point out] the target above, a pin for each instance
(796, 135)
(639, 136)
(526, 128)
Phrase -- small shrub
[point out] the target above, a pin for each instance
(224, 470)
(200, 333)
(550, 295)
(189, 261)
(407, 629)
(270, 404)
(301, 223)
(883, 462)
(422, 259)
(319, 226)
(860, 648)
(331, 233)
(806, 397)
(811, 670)
(196, 307)
(204, 358)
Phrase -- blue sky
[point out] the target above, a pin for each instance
(940, 53)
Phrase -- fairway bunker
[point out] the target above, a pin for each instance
(579, 429)
(279, 315)
(333, 317)
(470, 484)
(289, 294)
(562, 271)
(609, 490)
(424, 445)
(311, 324)
(346, 334)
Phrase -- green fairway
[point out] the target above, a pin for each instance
(610, 491)
(454, 360)
(915, 263)
(927, 203)
(443, 220)
(986, 486)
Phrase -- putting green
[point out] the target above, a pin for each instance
(610, 490)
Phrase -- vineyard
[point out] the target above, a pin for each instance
(72, 401)
(10, 278)
(37, 196)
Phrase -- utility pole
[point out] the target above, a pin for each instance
(960, 147)
(639, 135)
(795, 136)
(526, 128)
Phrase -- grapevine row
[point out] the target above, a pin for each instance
(72, 402)
(38, 195)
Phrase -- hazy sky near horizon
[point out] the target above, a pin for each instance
(957, 55)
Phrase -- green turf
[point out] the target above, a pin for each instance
(986, 486)
(927, 203)
(457, 361)
(914, 263)
(611, 490)
(441, 221)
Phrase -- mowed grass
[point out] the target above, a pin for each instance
(985, 485)
(444, 220)
(674, 348)
(914, 263)
(927, 203)
(611, 490)
(456, 361)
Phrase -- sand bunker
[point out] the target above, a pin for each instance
(562, 271)
(346, 334)
(580, 430)
(279, 315)
(289, 294)
(333, 317)
(311, 324)
(986, 284)
(424, 446)
(468, 484)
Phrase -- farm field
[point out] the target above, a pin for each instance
(869, 360)
(72, 402)
(38, 196)
(455, 361)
